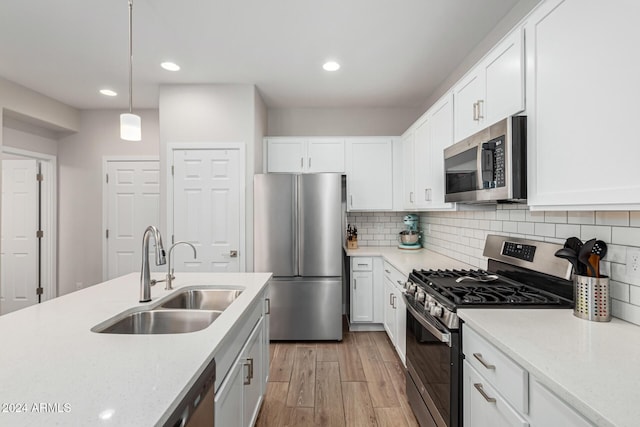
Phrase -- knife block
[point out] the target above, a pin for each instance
(591, 298)
(352, 244)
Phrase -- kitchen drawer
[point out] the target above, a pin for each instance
(484, 405)
(361, 264)
(509, 379)
(395, 276)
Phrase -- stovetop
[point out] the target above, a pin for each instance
(439, 293)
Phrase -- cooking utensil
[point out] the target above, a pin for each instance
(483, 279)
(571, 256)
(583, 256)
(573, 243)
(597, 253)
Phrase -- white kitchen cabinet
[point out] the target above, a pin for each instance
(390, 317)
(238, 399)
(395, 309)
(408, 181)
(582, 106)
(305, 155)
(369, 174)
(366, 308)
(484, 406)
(499, 392)
(493, 89)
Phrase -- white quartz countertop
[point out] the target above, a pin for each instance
(594, 367)
(406, 260)
(50, 356)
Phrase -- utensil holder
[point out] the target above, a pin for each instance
(592, 300)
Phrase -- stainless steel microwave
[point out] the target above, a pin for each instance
(489, 166)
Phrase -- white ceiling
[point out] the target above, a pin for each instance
(394, 53)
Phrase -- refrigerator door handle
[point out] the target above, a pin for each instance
(296, 225)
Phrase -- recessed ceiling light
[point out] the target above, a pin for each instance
(170, 66)
(108, 92)
(331, 66)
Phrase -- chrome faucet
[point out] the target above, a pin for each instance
(145, 277)
(170, 275)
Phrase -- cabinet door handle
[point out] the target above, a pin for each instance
(309, 162)
(355, 286)
(268, 310)
(391, 299)
(387, 271)
(301, 162)
(478, 387)
(394, 303)
(351, 200)
(483, 362)
(475, 111)
(411, 197)
(249, 364)
(480, 102)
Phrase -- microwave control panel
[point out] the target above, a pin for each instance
(493, 163)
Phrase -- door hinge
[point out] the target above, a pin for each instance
(39, 177)
(107, 233)
(107, 178)
(39, 234)
(39, 291)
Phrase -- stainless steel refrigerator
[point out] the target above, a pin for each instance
(298, 227)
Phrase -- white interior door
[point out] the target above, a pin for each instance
(18, 242)
(206, 209)
(133, 203)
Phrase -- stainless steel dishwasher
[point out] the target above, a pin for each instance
(196, 409)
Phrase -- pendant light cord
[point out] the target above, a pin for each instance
(130, 55)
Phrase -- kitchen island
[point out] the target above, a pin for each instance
(55, 371)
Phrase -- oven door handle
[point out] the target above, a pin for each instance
(424, 320)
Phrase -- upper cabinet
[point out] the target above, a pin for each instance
(305, 155)
(423, 158)
(582, 105)
(369, 173)
(493, 89)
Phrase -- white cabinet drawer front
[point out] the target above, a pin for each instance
(484, 406)
(361, 263)
(500, 371)
(394, 275)
(547, 410)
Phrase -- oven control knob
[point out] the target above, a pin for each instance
(412, 288)
(436, 311)
(429, 305)
(420, 296)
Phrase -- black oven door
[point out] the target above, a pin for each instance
(433, 371)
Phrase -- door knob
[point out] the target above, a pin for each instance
(233, 254)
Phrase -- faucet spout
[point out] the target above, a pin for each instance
(170, 276)
(145, 275)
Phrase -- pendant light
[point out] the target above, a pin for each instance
(130, 124)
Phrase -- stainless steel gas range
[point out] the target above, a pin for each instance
(521, 274)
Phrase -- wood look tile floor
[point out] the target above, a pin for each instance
(357, 382)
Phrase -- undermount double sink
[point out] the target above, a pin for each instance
(188, 310)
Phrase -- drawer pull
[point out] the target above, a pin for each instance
(478, 387)
(387, 271)
(483, 362)
(363, 265)
(391, 299)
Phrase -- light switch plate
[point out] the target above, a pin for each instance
(633, 263)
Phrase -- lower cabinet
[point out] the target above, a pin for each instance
(243, 363)
(499, 392)
(238, 399)
(366, 291)
(395, 310)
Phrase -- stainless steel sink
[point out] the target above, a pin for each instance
(161, 322)
(203, 299)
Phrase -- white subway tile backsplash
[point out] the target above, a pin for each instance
(526, 228)
(612, 218)
(559, 217)
(618, 229)
(581, 217)
(567, 230)
(628, 236)
(600, 232)
(544, 229)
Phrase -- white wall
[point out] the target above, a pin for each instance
(214, 113)
(20, 135)
(80, 178)
(340, 121)
(461, 235)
